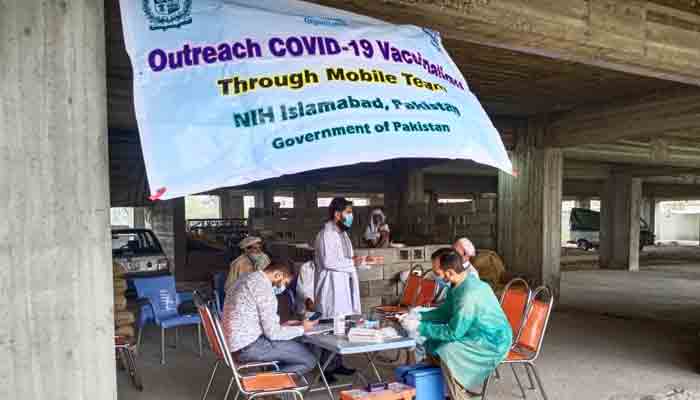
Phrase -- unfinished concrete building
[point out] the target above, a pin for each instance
(594, 100)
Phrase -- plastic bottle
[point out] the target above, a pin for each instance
(339, 325)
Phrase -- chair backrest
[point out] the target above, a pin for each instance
(418, 291)
(219, 286)
(536, 320)
(160, 291)
(223, 345)
(514, 301)
(428, 290)
(207, 318)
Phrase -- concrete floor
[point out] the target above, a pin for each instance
(666, 287)
(585, 357)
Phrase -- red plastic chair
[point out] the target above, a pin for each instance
(527, 347)
(419, 291)
(514, 301)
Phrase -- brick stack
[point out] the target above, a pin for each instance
(123, 318)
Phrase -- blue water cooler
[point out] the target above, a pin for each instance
(427, 379)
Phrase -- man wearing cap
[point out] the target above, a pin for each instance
(466, 249)
(253, 259)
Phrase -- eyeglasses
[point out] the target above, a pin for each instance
(254, 248)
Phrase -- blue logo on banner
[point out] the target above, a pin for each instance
(165, 14)
(434, 38)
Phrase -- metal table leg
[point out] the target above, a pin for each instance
(374, 367)
(322, 374)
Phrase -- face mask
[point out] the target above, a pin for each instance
(347, 221)
(278, 290)
(258, 260)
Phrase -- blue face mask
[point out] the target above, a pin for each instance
(278, 290)
(347, 221)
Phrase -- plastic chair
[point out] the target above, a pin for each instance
(125, 351)
(219, 286)
(251, 385)
(418, 291)
(529, 344)
(158, 293)
(514, 301)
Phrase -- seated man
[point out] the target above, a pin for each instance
(252, 259)
(377, 232)
(466, 249)
(252, 327)
(304, 291)
(469, 332)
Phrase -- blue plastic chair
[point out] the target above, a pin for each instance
(160, 306)
(219, 285)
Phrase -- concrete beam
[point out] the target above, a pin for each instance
(56, 292)
(651, 116)
(671, 192)
(641, 154)
(650, 38)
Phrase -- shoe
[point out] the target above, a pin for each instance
(342, 370)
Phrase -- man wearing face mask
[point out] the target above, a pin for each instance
(252, 259)
(469, 332)
(337, 288)
(252, 326)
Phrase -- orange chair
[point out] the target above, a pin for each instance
(419, 291)
(251, 385)
(529, 343)
(514, 301)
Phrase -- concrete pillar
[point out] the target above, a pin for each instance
(414, 188)
(139, 217)
(231, 204)
(265, 198)
(529, 209)
(648, 212)
(56, 294)
(306, 197)
(168, 223)
(619, 222)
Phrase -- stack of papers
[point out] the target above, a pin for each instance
(365, 335)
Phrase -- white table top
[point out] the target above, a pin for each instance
(342, 346)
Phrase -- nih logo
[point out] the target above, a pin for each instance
(165, 14)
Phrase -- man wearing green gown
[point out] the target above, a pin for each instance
(469, 332)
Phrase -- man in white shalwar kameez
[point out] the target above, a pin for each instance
(337, 287)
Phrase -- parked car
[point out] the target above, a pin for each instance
(584, 228)
(139, 251)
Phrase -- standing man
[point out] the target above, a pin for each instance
(465, 248)
(252, 259)
(337, 287)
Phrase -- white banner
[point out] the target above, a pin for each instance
(230, 92)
